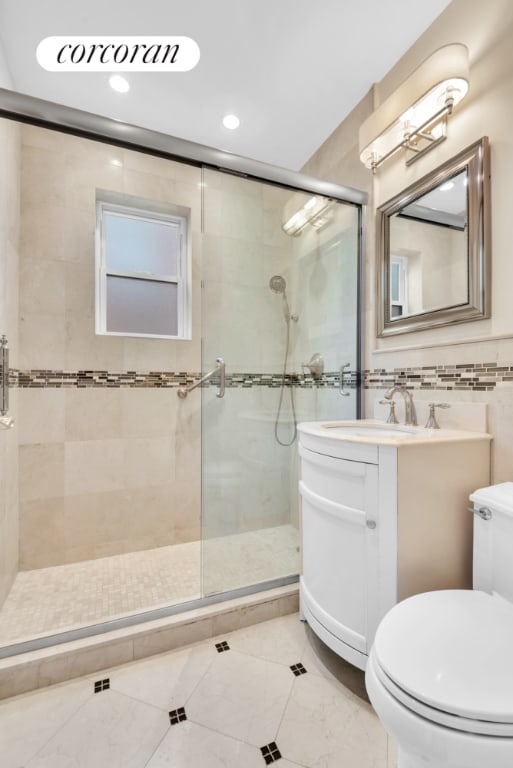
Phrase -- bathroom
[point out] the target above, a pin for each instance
(54, 420)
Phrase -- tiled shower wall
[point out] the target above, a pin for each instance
(106, 465)
(243, 247)
(324, 283)
(9, 230)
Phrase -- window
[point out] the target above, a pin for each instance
(398, 286)
(142, 271)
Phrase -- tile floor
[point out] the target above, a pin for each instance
(67, 596)
(267, 693)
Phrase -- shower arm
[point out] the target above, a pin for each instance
(182, 392)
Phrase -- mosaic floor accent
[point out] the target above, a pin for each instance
(47, 600)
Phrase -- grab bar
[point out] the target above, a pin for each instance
(220, 367)
(341, 383)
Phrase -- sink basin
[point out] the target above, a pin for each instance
(370, 429)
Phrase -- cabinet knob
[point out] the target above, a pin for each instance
(371, 524)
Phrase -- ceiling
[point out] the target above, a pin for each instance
(290, 69)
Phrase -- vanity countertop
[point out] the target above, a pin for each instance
(374, 432)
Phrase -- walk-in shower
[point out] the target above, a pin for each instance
(120, 500)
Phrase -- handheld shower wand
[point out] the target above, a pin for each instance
(277, 284)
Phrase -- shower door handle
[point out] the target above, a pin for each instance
(341, 384)
(221, 366)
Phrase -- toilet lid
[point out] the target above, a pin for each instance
(452, 651)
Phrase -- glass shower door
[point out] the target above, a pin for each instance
(281, 311)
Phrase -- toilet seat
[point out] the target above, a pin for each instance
(448, 656)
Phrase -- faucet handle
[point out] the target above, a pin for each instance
(392, 418)
(432, 423)
(315, 365)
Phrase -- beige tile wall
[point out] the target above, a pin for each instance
(487, 110)
(244, 246)
(9, 232)
(102, 471)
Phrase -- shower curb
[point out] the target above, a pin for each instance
(77, 658)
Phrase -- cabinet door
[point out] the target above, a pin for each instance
(339, 545)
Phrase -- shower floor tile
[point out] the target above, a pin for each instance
(47, 600)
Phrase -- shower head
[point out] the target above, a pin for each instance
(277, 284)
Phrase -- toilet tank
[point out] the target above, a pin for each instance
(493, 540)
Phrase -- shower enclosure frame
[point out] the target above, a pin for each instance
(37, 112)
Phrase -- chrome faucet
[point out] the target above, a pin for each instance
(410, 414)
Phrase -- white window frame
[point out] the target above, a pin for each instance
(182, 278)
(402, 300)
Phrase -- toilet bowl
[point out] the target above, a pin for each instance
(440, 672)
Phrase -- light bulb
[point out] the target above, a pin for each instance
(119, 83)
(231, 121)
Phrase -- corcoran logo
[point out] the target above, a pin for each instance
(118, 54)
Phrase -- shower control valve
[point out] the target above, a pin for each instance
(315, 365)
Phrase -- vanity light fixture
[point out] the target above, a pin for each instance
(414, 117)
(297, 215)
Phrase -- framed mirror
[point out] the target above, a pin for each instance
(434, 247)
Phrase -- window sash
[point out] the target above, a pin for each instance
(179, 279)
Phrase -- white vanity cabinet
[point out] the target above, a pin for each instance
(382, 518)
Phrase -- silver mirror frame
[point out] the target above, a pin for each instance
(476, 160)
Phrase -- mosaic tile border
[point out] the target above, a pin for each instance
(83, 378)
(478, 377)
(467, 376)
(159, 379)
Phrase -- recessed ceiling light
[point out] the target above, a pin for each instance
(231, 121)
(119, 83)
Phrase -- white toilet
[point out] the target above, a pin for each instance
(440, 671)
